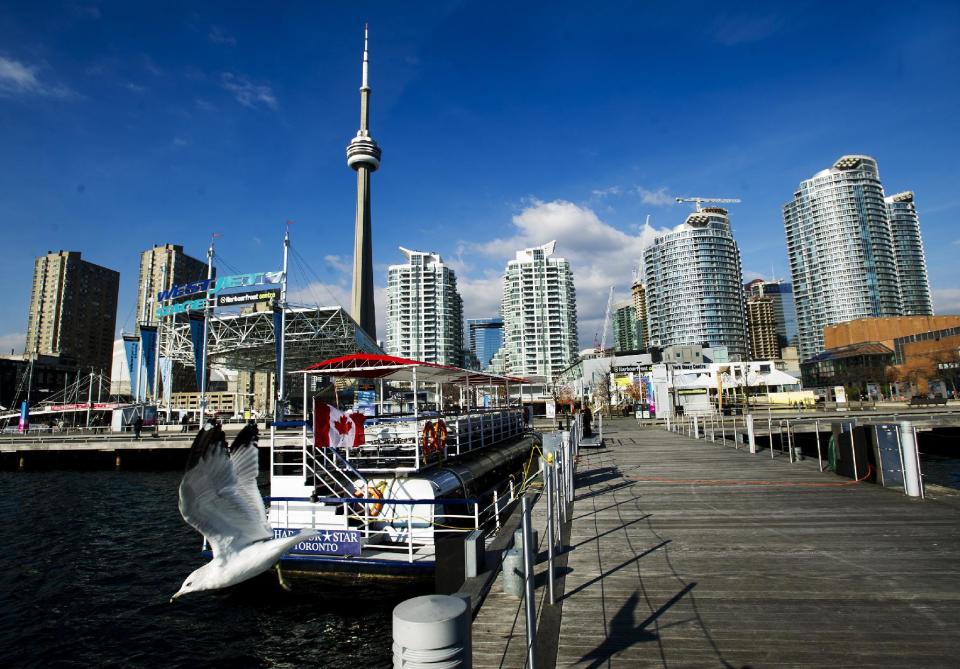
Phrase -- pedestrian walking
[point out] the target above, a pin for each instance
(137, 427)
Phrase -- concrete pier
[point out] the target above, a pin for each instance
(685, 552)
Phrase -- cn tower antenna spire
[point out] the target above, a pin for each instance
(366, 52)
(363, 156)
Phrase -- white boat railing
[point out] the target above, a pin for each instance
(402, 526)
(406, 445)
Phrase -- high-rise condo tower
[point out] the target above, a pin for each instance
(853, 253)
(694, 285)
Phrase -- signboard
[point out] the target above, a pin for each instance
(551, 409)
(96, 406)
(329, 542)
(841, 394)
(366, 402)
(220, 283)
(181, 307)
(248, 297)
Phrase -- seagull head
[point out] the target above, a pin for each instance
(195, 582)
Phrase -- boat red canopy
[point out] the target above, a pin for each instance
(377, 366)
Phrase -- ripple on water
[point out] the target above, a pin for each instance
(91, 559)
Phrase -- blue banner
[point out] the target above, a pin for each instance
(24, 417)
(278, 336)
(131, 346)
(196, 337)
(148, 338)
(328, 542)
(165, 366)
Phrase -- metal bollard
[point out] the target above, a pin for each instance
(696, 428)
(911, 471)
(751, 437)
(518, 539)
(432, 631)
(513, 572)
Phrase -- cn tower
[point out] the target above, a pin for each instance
(363, 155)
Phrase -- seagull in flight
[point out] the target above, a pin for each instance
(220, 499)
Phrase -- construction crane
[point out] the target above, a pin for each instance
(606, 323)
(700, 200)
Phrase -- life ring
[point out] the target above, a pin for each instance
(427, 439)
(370, 492)
(440, 437)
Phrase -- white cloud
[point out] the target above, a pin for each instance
(134, 88)
(204, 105)
(600, 256)
(481, 295)
(656, 198)
(320, 294)
(181, 141)
(150, 66)
(946, 300)
(247, 93)
(605, 192)
(219, 36)
(342, 265)
(14, 341)
(19, 79)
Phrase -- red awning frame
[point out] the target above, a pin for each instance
(374, 366)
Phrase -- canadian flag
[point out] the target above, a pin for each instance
(332, 427)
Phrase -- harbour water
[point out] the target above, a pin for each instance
(90, 559)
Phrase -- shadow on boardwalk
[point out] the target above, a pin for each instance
(791, 572)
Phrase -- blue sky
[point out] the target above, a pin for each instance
(124, 125)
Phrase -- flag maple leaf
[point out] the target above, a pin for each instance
(342, 425)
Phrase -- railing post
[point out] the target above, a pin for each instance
(816, 428)
(410, 533)
(789, 442)
(769, 433)
(496, 509)
(548, 484)
(476, 515)
(853, 455)
(529, 592)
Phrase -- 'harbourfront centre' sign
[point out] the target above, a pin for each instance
(210, 287)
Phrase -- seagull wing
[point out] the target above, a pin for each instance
(218, 493)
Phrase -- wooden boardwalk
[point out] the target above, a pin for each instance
(685, 553)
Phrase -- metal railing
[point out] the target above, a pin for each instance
(781, 435)
(404, 444)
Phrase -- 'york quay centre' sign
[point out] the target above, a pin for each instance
(210, 287)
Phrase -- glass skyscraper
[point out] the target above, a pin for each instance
(695, 285)
(843, 253)
(784, 309)
(485, 338)
(908, 247)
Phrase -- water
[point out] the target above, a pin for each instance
(91, 558)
